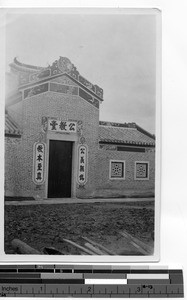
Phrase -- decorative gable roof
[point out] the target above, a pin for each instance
(128, 133)
(32, 75)
(11, 128)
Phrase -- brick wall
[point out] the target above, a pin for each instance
(107, 187)
(59, 106)
(19, 152)
(12, 167)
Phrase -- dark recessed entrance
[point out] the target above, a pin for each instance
(60, 169)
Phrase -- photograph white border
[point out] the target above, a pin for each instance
(109, 259)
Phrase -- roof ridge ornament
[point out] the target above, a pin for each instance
(116, 124)
(64, 64)
(17, 63)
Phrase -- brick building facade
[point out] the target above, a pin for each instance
(55, 145)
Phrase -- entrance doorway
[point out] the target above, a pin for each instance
(60, 169)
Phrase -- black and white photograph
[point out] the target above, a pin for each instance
(82, 133)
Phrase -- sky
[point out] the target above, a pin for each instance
(116, 51)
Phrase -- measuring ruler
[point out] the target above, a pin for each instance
(89, 281)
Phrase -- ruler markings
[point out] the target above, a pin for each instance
(121, 271)
(103, 276)
(105, 281)
(35, 271)
(175, 288)
(100, 267)
(20, 280)
(176, 278)
(147, 276)
(177, 271)
(152, 271)
(47, 266)
(62, 276)
(64, 267)
(16, 275)
(82, 267)
(25, 266)
(63, 271)
(102, 271)
(83, 271)
(40, 281)
(8, 270)
(148, 281)
(74, 281)
(93, 267)
(51, 268)
(26, 270)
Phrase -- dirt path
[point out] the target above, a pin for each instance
(46, 225)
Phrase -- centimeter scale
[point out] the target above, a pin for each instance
(89, 281)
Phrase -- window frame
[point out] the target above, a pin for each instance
(110, 169)
(142, 162)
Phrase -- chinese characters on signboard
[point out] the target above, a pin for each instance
(82, 164)
(39, 163)
(62, 126)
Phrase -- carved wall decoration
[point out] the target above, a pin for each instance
(42, 136)
(62, 88)
(85, 82)
(38, 76)
(42, 88)
(99, 91)
(82, 140)
(74, 73)
(79, 128)
(88, 98)
(44, 123)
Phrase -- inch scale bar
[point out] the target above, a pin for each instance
(89, 281)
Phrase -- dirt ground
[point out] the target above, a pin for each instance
(46, 225)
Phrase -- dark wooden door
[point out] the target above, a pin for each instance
(60, 169)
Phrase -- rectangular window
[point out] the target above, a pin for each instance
(117, 169)
(141, 170)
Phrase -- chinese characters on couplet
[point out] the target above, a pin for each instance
(62, 126)
(39, 163)
(82, 164)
